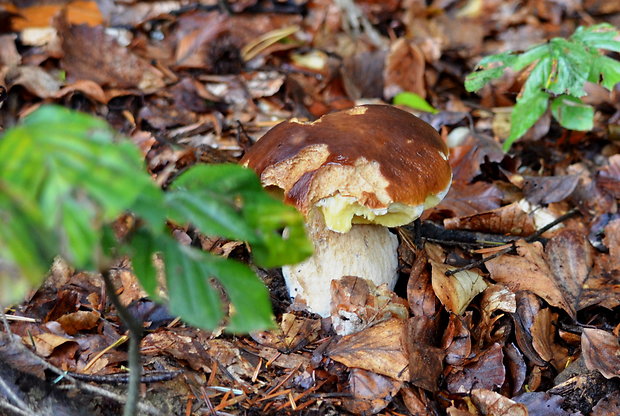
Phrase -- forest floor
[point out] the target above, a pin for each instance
(533, 331)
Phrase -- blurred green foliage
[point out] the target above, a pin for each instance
(66, 176)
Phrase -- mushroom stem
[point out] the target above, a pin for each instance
(366, 251)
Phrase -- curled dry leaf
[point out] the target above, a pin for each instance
(457, 291)
(45, 343)
(34, 79)
(294, 332)
(509, 219)
(494, 404)
(601, 351)
(358, 303)
(379, 348)
(370, 392)
(74, 322)
(457, 340)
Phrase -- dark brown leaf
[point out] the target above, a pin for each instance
(486, 371)
(601, 351)
(371, 392)
(509, 219)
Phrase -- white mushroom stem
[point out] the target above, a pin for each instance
(367, 251)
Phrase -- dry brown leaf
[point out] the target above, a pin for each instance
(112, 65)
(509, 219)
(425, 359)
(45, 343)
(41, 15)
(420, 294)
(542, 334)
(34, 79)
(416, 401)
(548, 189)
(457, 339)
(404, 69)
(487, 371)
(379, 348)
(358, 303)
(74, 322)
(491, 403)
(528, 271)
(457, 291)
(466, 198)
(601, 351)
(609, 177)
(371, 392)
(568, 254)
(295, 332)
(607, 406)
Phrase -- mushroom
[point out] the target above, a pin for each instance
(352, 174)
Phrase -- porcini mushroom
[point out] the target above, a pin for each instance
(352, 174)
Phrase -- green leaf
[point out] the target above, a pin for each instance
(525, 59)
(609, 69)
(572, 114)
(228, 200)
(525, 114)
(198, 302)
(74, 170)
(478, 79)
(191, 295)
(414, 101)
(248, 295)
(142, 250)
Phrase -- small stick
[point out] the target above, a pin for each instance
(511, 247)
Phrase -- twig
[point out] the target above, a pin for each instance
(135, 334)
(12, 396)
(5, 322)
(153, 377)
(16, 410)
(512, 246)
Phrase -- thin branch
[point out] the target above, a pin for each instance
(508, 249)
(16, 410)
(135, 334)
(11, 395)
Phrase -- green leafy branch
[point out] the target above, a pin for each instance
(559, 70)
(65, 177)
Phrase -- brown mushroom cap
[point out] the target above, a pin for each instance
(377, 155)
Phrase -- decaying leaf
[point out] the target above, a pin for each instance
(601, 351)
(458, 290)
(491, 403)
(528, 271)
(358, 303)
(509, 219)
(371, 392)
(379, 348)
(486, 371)
(74, 322)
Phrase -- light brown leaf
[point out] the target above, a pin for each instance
(491, 403)
(378, 348)
(457, 291)
(74, 322)
(528, 271)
